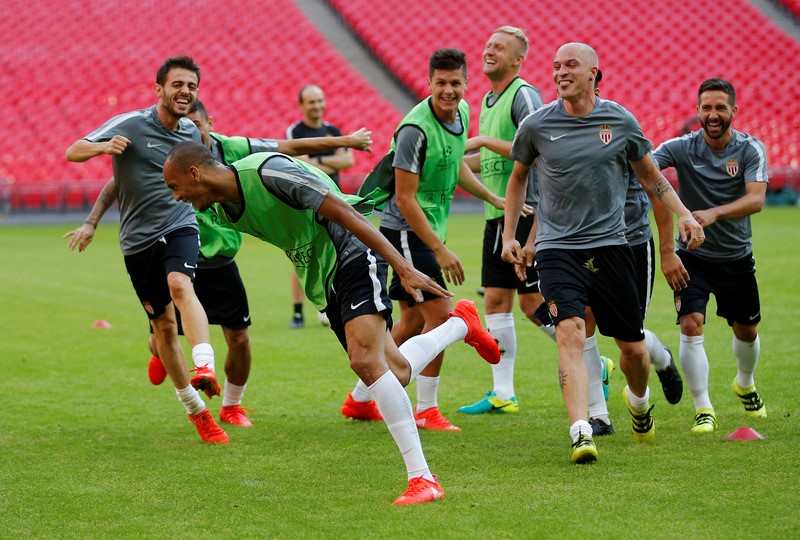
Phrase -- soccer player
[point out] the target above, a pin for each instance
(341, 261)
(581, 252)
(504, 107)
(640, 239)
(428, 148)
(722, 178)
(159, 235)
(311, 100)
(217, 282)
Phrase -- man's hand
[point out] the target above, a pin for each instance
(361, 140)
(691, 231)
(672, 267)
(81, 237)
(450, 265)
(414, 282)
(116, 146)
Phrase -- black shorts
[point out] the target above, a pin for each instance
(733, 284)
(603, 278)
(645, 263)
(420, 256)
(495, 272)
(221, 292)
(148, 269)
(359, 288)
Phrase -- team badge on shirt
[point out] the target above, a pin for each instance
(732, 166)
(605, 133)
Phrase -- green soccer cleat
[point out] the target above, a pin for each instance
(608, 370)
(643, 427)
(753, 406)
(491, 404)
(584, 450)
(705, 421)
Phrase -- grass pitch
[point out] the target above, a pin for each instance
(90, 449)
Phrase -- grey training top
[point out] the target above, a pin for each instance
(148, 209)
(637, 204)
(526, 100)
(707, 179)
(302, 190)
(409, 155)
(582, 172)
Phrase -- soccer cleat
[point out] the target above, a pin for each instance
(600, 428)
(206, 380)
(671, 382)
(360, 410)
(323, 319)
(477, 336)
(608, 370)
(643, 427)
(584, 450)
(491, 404)
(235, 414)
(297, 321)
(753, 406)
(704, 421)
(156, 370)
(207, 428)
(433, 420)
(419, 491)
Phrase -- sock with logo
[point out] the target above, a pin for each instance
(395, 407)
(501, 327)
(746, 359)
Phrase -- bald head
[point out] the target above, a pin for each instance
(574, 70)
(188, 153)
(582, 51)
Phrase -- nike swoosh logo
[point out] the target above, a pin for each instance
(531, 284)
(186, 265)
(696, 166)
(356, 306)
(151, 145)
(754, 316)
(503, 406)
(247, 318)
(556, 138)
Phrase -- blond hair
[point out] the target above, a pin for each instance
(518, 33)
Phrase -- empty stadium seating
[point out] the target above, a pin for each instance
(653, 55)
(68, 66)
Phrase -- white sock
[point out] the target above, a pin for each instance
(427, 390)
(203, 355)
(395, 407)
(501, 326)
(639, 404)
(580, 426)
(232, 394)
(695, 369)
(361, 393)
(191, 400)
(549, 330)
(746, 359)
(594, 368)
(659, 358)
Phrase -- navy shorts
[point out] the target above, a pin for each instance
(495, 272)
(645, 263)
(603, 278)
(359, 288)
(148, 269)
(733, 284)
(420, 256)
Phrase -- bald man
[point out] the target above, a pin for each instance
(582, 145)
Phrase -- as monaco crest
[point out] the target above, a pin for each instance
(605, 133)
(732, 166)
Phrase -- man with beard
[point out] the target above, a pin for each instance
(722, 179)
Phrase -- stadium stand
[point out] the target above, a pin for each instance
(793, 6)
(653, 55)
(68, 66)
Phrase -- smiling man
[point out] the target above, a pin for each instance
(722, 178)
(582, 255)
(428, 148)
(159, 235)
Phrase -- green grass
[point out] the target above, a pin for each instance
(90, 449)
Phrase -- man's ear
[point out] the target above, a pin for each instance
(194, 170)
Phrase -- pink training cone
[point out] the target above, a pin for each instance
(101, 324)
(745, 434)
